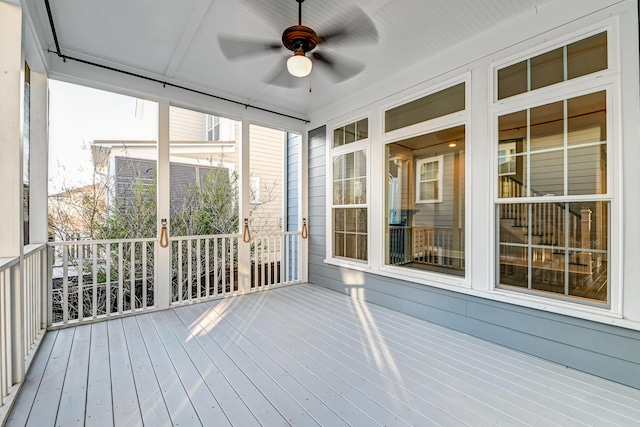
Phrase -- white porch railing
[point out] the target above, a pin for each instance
(97, 279)
(206, 267)
(92, 279)
(23, 302)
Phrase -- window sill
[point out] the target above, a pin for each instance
(435, 280)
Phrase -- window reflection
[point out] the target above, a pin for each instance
(426, 202)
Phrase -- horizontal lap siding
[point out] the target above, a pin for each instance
(603, 350)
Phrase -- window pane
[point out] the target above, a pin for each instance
(547, 69)
(587, 56)
(362, 247)
(547, 126)
(547, 270)
(339, 219)
(362, 128)
(513, 266)
(351, 216)
(338, 193)
(350, 133)
(587, 170)
(438, 104)
(362, 221)
(420, 234)
(547, 174)
(587, 118)
(512, 80)
(560, 248)
(581, 58)
(338, 137)
(338, 245)
(351, 248)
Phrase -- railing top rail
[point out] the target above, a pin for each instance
(8, 262)
(217, 236)
(35, 247)
(204, 236)
(540, 194)
(105, 241)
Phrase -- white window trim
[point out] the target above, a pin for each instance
(360, 145)
(435, 159)
(609, 81)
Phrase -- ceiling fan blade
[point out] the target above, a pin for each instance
(235, 48)
(279, 76)
(357, 28)
(341, 70)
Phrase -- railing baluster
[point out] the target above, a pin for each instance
(94, 268)
(207, 279)
(144, 274)
(65, 284)
(224, 266)
(199, 269)
(80, 281)
(216, 265)
(232, 253)
(120, 278)
(107, 307)
(180, 270)
(189, 270)
(132, 277)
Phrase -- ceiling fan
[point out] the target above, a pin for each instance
(301, 40)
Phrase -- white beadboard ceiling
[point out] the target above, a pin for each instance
(177, 41)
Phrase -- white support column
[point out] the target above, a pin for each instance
(11, 191)
(163, 257)
(303, 202)
(38, 159)
(11, 113)
(244, 249)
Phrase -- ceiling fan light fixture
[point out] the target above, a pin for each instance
(299, 65)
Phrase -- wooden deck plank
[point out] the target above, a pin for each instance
(292, 412)
(152, 406)
(563, 395)
(180, 408)
(395, 398)
(421, 374)
(74, 390)
(294, 386)
(24, 402)
(99, 410)
(317, 378)
(126, 410)
(352, 405)
(201, 397)
(45, 405)
(230, 401)
(301, 355)
(252, 396)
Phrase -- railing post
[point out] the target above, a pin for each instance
(585, 237)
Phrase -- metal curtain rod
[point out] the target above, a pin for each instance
(64, 57)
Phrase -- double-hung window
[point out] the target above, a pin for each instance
(553, 194)
(349, 206)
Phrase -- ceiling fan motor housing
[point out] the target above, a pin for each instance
(299, 37)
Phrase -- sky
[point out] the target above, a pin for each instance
(79, 115)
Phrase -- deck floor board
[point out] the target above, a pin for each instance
(301, 355)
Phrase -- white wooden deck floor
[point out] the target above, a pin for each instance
(306, 356)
